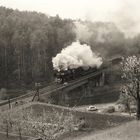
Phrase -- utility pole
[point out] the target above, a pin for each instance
(37, 87)
(9, 102)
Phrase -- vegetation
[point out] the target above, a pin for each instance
(129, 131)
(131, 85)
(47, 125)
(29, 40)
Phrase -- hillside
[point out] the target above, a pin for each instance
(129, 131)
(29, 40)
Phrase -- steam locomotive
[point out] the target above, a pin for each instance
(64, 76)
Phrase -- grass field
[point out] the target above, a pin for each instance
(11, 137)
(129, 131)
(95, 122)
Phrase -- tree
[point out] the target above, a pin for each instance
(47, 124)
(131, 77)
(126, 101)
(6, 122)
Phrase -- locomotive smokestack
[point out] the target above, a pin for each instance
(76, 55)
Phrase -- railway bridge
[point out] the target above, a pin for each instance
(92, 88)
(80, 91)
(73, 92)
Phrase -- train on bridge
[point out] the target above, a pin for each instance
(64, 76)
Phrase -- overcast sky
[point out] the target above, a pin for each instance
(126, 13)
(96, 9)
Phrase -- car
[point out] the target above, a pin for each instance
(92, 108)
(65, 83)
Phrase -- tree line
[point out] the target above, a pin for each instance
(29, 40)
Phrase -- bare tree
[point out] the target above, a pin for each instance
(48, 126)
(131, 77)
(6, 122)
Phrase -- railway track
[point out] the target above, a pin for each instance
(77, 81)
(53, 87)
(28, 97)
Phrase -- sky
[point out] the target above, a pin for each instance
(67, 8)
(125, 13)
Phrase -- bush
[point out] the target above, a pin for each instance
(45, 125)
(121, 108)
(133, 108)
(110, 109)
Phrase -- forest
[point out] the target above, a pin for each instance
(29, 41)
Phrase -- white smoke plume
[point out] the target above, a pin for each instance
(76, 55)
(96, 31)
(82, 31)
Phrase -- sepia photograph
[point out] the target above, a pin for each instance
(69, 69)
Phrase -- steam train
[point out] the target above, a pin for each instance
(64, 76)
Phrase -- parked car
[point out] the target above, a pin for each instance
(65, 83)
(92, 108)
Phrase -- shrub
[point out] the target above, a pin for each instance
(110, 109)
(46, 125)
(121, 108)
